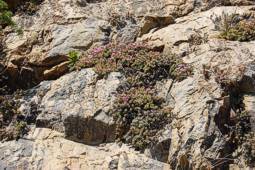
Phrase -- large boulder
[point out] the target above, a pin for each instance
(79, 36)
(77, 104)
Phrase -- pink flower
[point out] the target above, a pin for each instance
(125, 99)
(97, 50)
(114, 53)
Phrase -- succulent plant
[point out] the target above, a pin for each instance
(236, 27)
(138, 111)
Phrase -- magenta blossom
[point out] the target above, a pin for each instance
(97, 50)
(125, 99)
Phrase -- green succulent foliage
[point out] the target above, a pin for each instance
(236, 27)
(133, 101)
(5, 15)
(20, 128)
(138, 111)
(6, 18)
(243, 31)
(145, 129)
(138, 62)
(73, 57)
(139, 116)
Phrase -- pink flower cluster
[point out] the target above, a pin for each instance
(117, 50)
(97, 50)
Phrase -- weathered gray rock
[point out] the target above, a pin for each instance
(248, 81)
(15, 154)
(60, 26)
(151, 22)
(201, 114)
(160, 151)
(77, 104)
(194, 120)
(179, 37)
(56, 71)
(79, 36)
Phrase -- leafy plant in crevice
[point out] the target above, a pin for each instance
(6, 18)
(8, 108)
(5, 15)
(73, 57)
(235, 27)
(5, 21)
(20, 128)
(139, 113)
(140, 116)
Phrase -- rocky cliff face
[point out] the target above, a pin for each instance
(68, 117)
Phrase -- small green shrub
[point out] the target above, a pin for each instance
(243, 31)
(6, 18)
(5, 15)
(135, 100)
(139, 116)
(242, 127)
(73, 57)
(236, 27)
(20, 128)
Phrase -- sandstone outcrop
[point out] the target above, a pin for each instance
(67, 114)
(47, 149)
